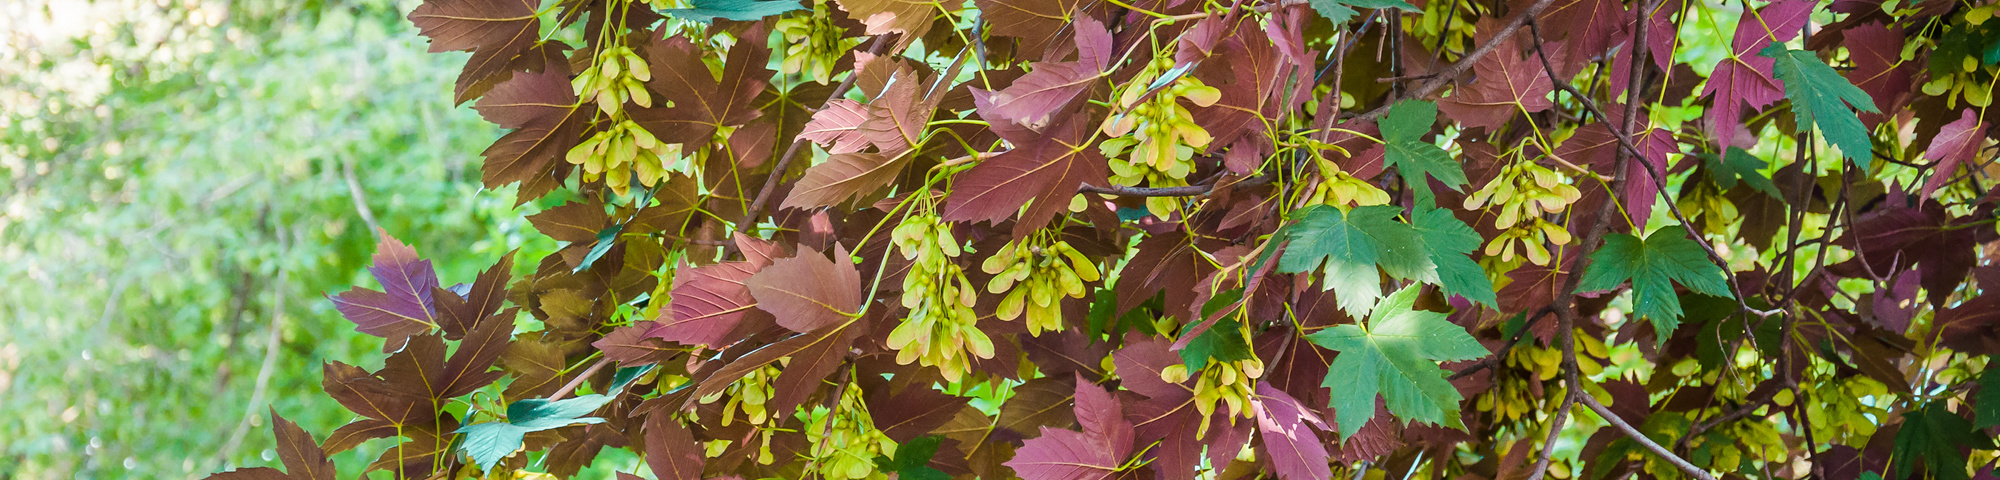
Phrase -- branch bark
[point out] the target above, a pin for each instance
(1642, 440)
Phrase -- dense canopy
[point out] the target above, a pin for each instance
(1064, 239)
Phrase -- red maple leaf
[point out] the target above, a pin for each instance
(1041, 176)
(496, 31)
(1955, 144)
(1034, 22)
(404, 306)
(1744, 78)
(1050, 89)
(1094, 453)
(1506, 84)
(701, 103)
(544, 109)
(1876, 51)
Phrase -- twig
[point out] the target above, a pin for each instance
(1185, 191)
(1555, 428)
(1494, 360)
(1642, 440)
(785, 162)
(578, 381)
(1628, 147)
(360, 200)
(1505, 34)
(264, 372)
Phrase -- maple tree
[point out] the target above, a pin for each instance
(1297, 239)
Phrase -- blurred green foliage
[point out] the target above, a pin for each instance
(161, 228)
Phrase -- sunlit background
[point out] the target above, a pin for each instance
(183, 180)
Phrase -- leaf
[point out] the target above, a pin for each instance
(822, 340)
(1743, 78)
(459, 313)
(1736, 164)
(1347, 246)
(1094, 453)
(574, 222)
(1820, 97)
(1650, 264)
(404, 306)
(1986, 405)
(1223, 342)
(912, 412)
(701, 103)
(1590, 27)
(629, 345)
(1507, 84)
(302, 456)
(838, 127)
(893, 120)
(671, 451)
(350, 435)
(808, 292)
(1041, 176)
(912, 458)
(1936, 436)
(1050, 88)
(1876, 50)
(1926, 236)
(707, 304)
(1286, 427)
(1395, 355)
(816, 356)
(706, 11)
(427, 450)
(1448, 243)
(467, 369)
(1403, 130)
(1163, 263)
(1340, 11)
(488, 443)
(1033, 22)
(496, 31)
(369, 396)
(1263, 77)
(844, 177)
(530, 155)
(1955, 144)
(912, 18)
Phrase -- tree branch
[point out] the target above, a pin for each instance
(785, 162)
(1628, 148)
(1642, 440)
(1451, 73)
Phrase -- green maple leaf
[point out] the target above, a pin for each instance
(1347, 246)
(1736, 164)
(912, 459)
(1340, 11)
(1820, 97)
(1650, 264)
(706, 11)
(1935, 434)
(1403, 131)
(1395, 355)
(488, 443)
(1447, 242)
